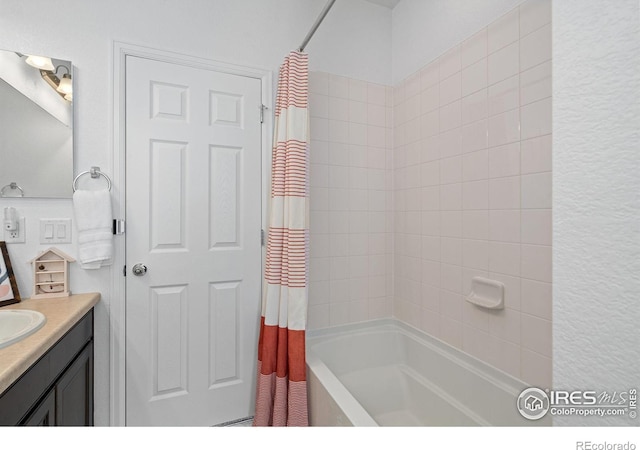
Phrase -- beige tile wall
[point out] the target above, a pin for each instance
(351, 199)
(472, 193)
(447, 176)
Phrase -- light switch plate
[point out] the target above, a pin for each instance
(55, 231)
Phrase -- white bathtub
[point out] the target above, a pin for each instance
(385, 373)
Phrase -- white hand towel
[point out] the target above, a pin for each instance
(94, 220)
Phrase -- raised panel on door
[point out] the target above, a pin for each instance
(224, 328)
(169, 101)
(167, 194)
(169, 340)
(225, 180)
(193, 219)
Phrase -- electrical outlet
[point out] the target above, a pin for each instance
(16, 236)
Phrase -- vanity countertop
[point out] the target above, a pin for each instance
(61, 313)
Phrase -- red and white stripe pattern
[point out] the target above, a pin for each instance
(281, 392)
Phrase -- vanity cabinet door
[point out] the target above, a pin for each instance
(45, 414)
(74, 392)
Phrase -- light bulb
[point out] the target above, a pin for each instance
(39, 62)
(65, 86)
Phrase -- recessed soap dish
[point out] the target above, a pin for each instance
(486, 293)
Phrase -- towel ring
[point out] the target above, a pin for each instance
(95, 173)
(12, 185)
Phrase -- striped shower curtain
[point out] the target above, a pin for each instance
(281, 392)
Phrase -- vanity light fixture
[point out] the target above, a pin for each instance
(39, 62)
(63, 86)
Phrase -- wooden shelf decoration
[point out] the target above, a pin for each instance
(51, 274)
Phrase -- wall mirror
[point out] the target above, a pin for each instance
(36, 126)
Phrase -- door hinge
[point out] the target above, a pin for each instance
(118, 226)
(262, 108)
(262, 237)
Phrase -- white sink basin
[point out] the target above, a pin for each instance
(17, 324)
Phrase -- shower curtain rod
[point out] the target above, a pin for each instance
(315, 26)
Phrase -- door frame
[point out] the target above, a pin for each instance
(117, 307)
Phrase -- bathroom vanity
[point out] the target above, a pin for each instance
(46, 379)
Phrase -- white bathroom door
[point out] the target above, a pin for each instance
(193, 211)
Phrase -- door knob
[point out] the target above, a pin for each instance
(139, 270)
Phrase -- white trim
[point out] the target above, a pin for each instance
(117, 317)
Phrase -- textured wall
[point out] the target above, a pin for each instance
(596, 198)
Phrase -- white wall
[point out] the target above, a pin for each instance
(354, 41)
(257, 33)
(424, 29)
(596, 198)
